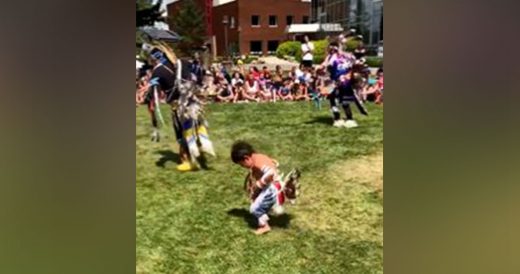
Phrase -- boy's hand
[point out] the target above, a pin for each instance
(255, 191)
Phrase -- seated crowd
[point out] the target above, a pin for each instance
(300, 84)
(254, 85)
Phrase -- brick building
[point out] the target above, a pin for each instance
(250, 26)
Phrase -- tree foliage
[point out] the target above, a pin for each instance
(189, 23)
(148, 13)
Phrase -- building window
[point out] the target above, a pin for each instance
(273, 21)
(289, 20)
(255, 21)
(255, 47)
(272, 46)
(305, 20)
(232, 22)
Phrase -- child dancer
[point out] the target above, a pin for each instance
(266, 192)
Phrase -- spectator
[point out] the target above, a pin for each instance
(226, 95)
(380, 85)
(285, 91)
(298, 73)
(265, 93)
(277, 80)
(300, 91)
(307, 52)
(237, 78)
(266, 74)
(238, 87)
(251, 89)
(254, 72)
(371, 90)
(278, 71)
(292, 74)
(360, 51)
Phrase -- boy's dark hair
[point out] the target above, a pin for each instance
(240, 150)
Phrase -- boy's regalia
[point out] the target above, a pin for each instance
(288, 188)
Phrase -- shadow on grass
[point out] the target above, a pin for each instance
(203, 162)
(327, 120)
(281, 221)
(166, 156)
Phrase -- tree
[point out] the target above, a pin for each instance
(189, 23)
(148, 13)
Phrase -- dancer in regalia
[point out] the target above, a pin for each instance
(339, 65)
(174, 78)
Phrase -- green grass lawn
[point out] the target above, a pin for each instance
(198, 222)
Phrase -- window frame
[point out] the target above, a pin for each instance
(287, 21)
(259, 21)
(275, 21)
(256, 52)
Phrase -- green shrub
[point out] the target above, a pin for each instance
(352, 45)
(374, 61)
(293, 49)
(320, 51)
(289, 48)
(250, 58)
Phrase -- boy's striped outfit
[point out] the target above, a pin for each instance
(270, 196)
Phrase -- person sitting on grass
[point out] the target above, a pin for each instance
(371, 90)
(300, 91)
(380, 85)
(254, 72)
(266, 74)
(237, 85)
(266, 192)
(220, 81)
(226, 94)
(278, 74)
(250, 93)
(265, 90)
(284, 92)
(277, 82)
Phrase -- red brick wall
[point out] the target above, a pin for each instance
(242, 10)
(229, 10)
(264, 8)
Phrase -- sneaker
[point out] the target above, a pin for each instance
(338, 123)
(156, 137)
(186, 166)
(351, 124)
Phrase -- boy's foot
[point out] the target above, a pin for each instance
(186, 166)
(350, 124)
(262, 230)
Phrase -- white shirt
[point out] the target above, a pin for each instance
(253, 88)
(307, 47)
(235, 81)
(298, 73)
